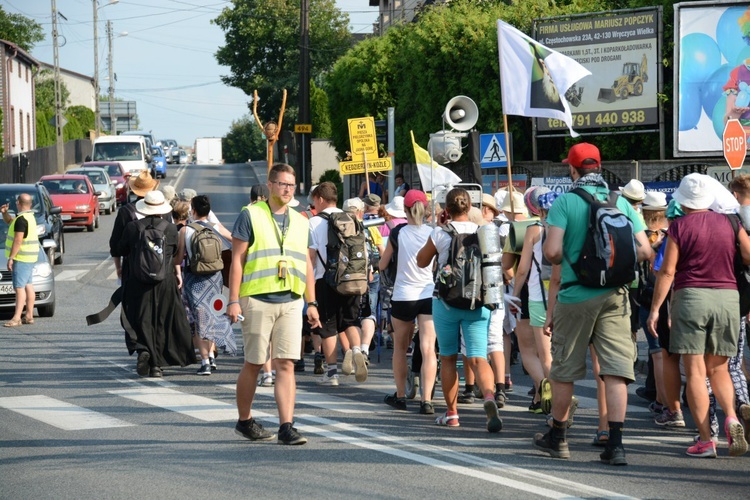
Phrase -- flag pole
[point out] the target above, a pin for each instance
(367, 175)
(510, 175)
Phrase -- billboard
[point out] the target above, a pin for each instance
(712, 48)
(621, 49)
(493, 182)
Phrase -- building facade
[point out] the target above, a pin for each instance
(17, 98)
(80, 87)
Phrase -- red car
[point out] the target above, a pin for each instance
(76, 195)
(118, 174)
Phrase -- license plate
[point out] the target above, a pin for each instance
(65, 217)
(6, 289)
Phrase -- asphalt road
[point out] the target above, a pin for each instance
(77, 422)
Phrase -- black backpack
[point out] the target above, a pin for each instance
(205, 246)
(459, 281)
(346, 269)
(608, 258)
(741, 271)
(147, 262)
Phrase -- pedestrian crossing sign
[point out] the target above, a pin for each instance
(492, 149)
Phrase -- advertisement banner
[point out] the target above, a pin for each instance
(621, 50)
(558, 184)
(712, 54)
(491, 183)
(667, 187)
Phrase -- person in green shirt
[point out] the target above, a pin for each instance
(579, 315)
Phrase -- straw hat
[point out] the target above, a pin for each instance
(153, 204)
(519, 207)
(396, 208)
(633, 190)
(655, 200)
(489, 201)
(142, 183)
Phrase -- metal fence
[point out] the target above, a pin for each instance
(42, 161)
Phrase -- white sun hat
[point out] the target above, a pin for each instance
(153, 203)
(634, 190)
(396, 208)
(655, 200)
(694, 192)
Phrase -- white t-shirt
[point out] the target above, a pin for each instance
(442, 240)
(319, 240)
(412, 282)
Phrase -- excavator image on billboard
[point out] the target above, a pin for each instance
(631, 82)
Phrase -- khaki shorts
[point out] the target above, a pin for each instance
(705, 321)
(604, 321)
(277, 325)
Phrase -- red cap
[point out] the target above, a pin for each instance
(413, 196)
(583, 151)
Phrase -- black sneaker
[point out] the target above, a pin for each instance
(396, 402)
(155, 372)
(466, 397)
(544, 442)
(142, 365)
(289, 435)
(212, 363)
(643, 393)
(299, 365)
(614, 456)
(535, 408)
(318, 370)
(309, 348)
(253, 431)
(426, 408)
(204, 370)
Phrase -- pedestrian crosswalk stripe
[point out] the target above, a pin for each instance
(198, 407)
(325, 401)
(70, 275)
(60, 414)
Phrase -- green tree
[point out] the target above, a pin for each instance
(333, 175)
(262, 48)
(19, 29)
(321, 118)
(243, 141)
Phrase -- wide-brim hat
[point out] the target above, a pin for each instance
(694, 192)
(396, 208)
(489, 201)
(142, 183)
(169, 192)
(654, 200)
(519, 207)
(153, 203)
(633, 190)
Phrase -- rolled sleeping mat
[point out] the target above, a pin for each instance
(517, 233)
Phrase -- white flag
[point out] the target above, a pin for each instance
(534, 78)
(431, 173)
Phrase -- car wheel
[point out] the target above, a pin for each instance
(62, 250)
(51, 256)
(46, 311)
(108, 210)
(90, 228)
(96, 221)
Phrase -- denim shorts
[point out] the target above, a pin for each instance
(22, 273)
(472, 326)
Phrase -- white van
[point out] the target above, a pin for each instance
(130, 151)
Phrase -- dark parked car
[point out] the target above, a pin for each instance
(49, 224)
(43, 279)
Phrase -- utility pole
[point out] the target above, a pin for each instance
(112, 117)
(97, 110)
(59, 124)
(304, 92)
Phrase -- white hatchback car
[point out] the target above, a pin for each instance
(103, 183)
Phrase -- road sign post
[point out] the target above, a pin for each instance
(735, 144)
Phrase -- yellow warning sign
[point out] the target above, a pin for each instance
(358, 167)
(362, 137)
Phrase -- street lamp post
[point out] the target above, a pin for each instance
(112, 117)
(97, 110)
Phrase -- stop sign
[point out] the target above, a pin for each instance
(735, 144)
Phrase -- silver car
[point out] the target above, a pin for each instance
(102, 183)
(43, 279)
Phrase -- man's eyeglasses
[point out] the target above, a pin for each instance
(284, 185)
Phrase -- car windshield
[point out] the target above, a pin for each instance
(113, 170)
(157, 151)
(9, 197)
(120, 151)
(3, 233)
(65, 186)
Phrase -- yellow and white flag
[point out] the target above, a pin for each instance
(534, 78)
(431, 173)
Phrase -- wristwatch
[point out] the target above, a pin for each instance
(313, 303)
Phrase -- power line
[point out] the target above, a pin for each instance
(163, 89)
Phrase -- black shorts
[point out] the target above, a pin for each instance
(337, 312)
(408, 310)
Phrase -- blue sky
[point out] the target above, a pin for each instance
(170, 45)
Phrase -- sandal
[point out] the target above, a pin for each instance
(27, 321)
(447, 420)
(601, 439)
(13, 323)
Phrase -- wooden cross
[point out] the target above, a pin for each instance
(271, 130)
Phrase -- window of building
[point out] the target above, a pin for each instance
(27, 74)
(10, 65)
(13, 126)
(20, 73)
(20, 127)
(28, 131)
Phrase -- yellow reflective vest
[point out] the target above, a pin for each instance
(29, 251)
(272, 250)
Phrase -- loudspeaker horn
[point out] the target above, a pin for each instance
(461, 113)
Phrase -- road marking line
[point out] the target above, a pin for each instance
(60, 414)
(198, 407)
(70, 275)
(473, 460)
(318, 400)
